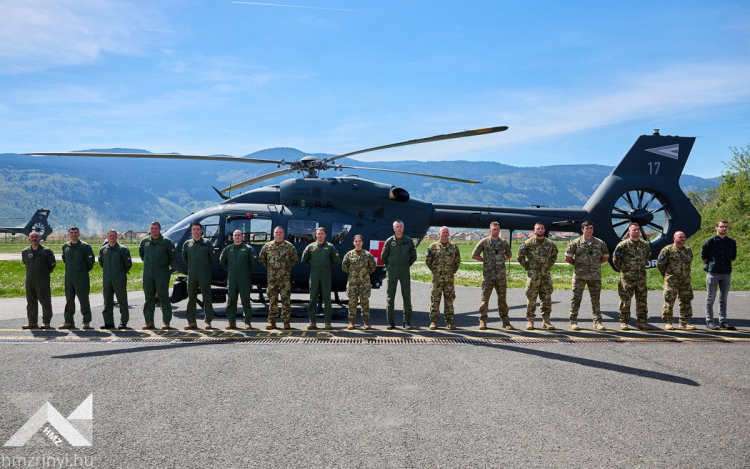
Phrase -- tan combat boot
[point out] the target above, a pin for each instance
(624, 326)
(599, 326)
(642, 326)
(67, 325)
(271, 325)
(230, 326)
(351, 324)
(433, 325)
(668, 326)
(165, 326)
(482, 324)
(191, 327)
(30, 326)
(687, 326)
(328, 325)
(46, 326)
(149, 326)
(312, 326)
(287, 325)
(248, 326)
(366, 322)
(530, 326)
(547, 325)
(574, 326)
(451, 326)
(207, 326)
(506, 323)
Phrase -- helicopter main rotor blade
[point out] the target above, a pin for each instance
(465, 133)
(242, 184)
(446, 178)
(235, 159)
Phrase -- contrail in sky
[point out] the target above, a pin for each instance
(300, 6)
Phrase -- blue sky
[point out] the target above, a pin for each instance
(575, 81)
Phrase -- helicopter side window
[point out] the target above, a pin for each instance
(255, 230)
(211, 229)
(339, 231)
(301, 231)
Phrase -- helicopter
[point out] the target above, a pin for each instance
(643, 188)
(37, 223)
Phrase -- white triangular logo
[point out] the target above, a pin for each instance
(670, 151)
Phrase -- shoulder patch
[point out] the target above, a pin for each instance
(618, 252)
(662, 257)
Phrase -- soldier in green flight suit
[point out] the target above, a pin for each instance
(79, 260)
(320, 257)
(674, 264)
(157, 253)
(198, 255)
(398, 254)
(537, 255)
(443, 259)
(278, 257)
(239, 259)
(116, 263)
(39, 262)
(631, 257)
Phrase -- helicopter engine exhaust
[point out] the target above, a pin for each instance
(398, 194)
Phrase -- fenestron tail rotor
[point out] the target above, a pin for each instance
(646, 207)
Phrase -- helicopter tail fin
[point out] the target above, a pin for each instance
(39, 224)
(645, 188)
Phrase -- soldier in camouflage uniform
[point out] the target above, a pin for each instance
(587, 254)
(674, 264)
(443, 259)
(537, 255)
(40, 262)
(631, 257)
(496, 252)
(79, 260)
(359, 264)
(278, 257)
(198, 255)
(116, 263)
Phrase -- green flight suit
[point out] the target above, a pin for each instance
(79, 260)
(157, 257)
(320, 258)
(398, 257)
(39, 264)
(116, 263)
(239, 260)
(199, 257)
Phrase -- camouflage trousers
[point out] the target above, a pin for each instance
(499, 285)
(359, 293)
(677, 288)
(538, 285)
(595, 290)
(275, 288)
(628, 288)
(438, 290)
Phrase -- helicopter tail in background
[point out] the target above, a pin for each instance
(37, 223)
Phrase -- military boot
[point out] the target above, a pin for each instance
(574, 326)
(207, 326)
(287, 325)
(86, 326)
(248, 326)
(482, 324)
(46, 326)
(191, 327)
(451, 326)
(366, 322)
(312, 326)
(67, 325)
(351, 324)
(149, 326)
(231, 326)
(547, 325)
(687, 326)
(668, 326)
(624, 326)
(530, 325)
(271, 325)
(328, 325)
(165, 326)
(506, 323)
(643, 326)
(30, 326)
(433, 325)
(599, 326)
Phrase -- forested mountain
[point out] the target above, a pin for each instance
(127, 193)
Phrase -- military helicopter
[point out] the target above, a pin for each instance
(37, 223)
(643, 188)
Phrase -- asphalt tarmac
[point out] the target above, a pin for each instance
(464, 398)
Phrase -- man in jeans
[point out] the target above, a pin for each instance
(718, 253)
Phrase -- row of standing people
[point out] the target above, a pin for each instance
(536, 255)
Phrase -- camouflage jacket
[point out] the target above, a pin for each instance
(533, 255)
(587, 257)
(359, 265)
(494, 255)
(675, 262)
(631, 259)
(278, 259)
(443, 260)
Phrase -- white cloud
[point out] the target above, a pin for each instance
(41, 34)
(57, 94)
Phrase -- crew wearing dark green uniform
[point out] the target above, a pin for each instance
(39, 262)
(116, 263)
(239, 259)
(320, 256)
(157, 253)
(79, 260)
(398, 254)
(198, 255)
